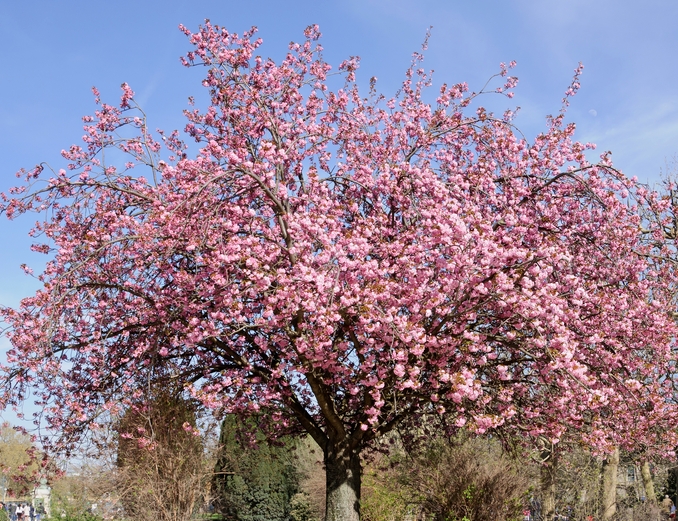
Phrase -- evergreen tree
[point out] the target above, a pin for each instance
(253, 483)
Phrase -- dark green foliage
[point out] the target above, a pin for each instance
(253, 483)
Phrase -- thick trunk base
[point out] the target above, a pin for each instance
(343, 473)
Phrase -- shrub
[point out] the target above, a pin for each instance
(469, 479)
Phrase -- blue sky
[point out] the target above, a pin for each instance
(55, 51)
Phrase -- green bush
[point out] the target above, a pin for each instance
(300, 508)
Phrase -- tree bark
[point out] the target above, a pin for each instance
(609, 492)
(648, 484)
(548, 483)
(343, 475)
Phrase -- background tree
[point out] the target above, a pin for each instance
(86, 492)
(583, 485)
(162, 469)
(340, 265)
(19, 462)
(253, 480)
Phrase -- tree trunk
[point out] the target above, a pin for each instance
(609, 493)
(548, 483)
(648, 484)
(343, 473)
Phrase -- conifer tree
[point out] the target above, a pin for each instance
(253, 482)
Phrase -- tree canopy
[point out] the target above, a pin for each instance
(341, 264)
(19, 462)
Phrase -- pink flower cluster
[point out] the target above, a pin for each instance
(343, 264)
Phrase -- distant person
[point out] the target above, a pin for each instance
(667, 505)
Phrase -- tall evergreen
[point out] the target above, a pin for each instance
(252, 483)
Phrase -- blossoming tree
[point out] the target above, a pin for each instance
(339, 265)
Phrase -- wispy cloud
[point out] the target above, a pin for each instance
(641, 137)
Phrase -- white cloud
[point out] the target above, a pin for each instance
(641, 138)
